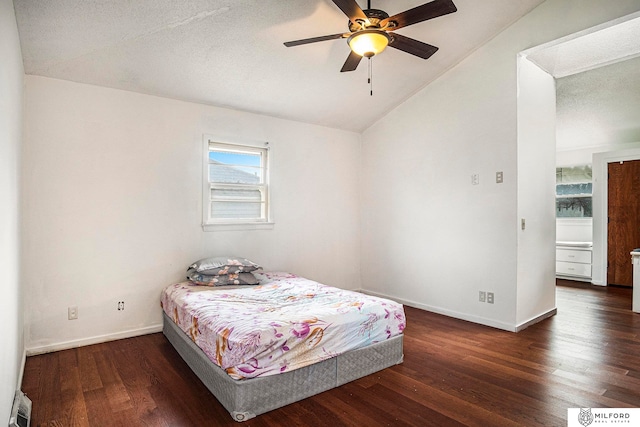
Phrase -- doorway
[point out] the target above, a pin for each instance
(538, 68)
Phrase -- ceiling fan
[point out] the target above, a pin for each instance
(372, 30)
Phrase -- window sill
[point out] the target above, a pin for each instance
(234, 226)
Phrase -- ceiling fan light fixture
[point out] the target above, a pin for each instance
(368, 43)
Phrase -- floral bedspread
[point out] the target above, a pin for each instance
(284, 323)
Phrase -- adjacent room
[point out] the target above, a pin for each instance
(451, 183)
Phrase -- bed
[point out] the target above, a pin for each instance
(258, 348)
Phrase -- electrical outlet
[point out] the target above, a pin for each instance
(499, 178)
(72, 313)
(483, 296)
(475, 179)
(120, 305)
(490, 297)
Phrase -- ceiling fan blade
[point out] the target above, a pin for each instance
(352, 10)
(351, 63)
(316, 39)
(412, 46)
(427, 11)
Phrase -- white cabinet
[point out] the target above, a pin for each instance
(573, 260)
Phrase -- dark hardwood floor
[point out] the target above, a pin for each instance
(455, 373)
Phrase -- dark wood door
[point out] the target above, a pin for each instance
(624, 220)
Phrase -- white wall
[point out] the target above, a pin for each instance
(536, 192)
(430, 238)
(11, 311)
(112, 205)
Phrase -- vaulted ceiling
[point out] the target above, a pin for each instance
(231, 53)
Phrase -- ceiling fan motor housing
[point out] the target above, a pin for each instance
(374, 15)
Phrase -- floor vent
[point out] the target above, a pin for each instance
(21, 411)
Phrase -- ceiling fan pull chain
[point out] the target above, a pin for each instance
(370, 79)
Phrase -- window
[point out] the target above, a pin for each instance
(574, 192)
(236, 185)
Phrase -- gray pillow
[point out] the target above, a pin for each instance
(227, 279)
(219, 266)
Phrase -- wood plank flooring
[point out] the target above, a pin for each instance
(455, 373)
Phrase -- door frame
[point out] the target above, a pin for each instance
(601, 209)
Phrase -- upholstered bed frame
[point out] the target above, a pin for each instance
(244, 399)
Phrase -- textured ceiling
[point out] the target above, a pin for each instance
(230, 53)
(583, 52)
(599, 106)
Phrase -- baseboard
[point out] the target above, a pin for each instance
(536, 319)
(457, 315)
(93, 340)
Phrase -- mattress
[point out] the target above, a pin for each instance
(283, 324)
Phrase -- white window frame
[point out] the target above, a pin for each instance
(213, 224)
